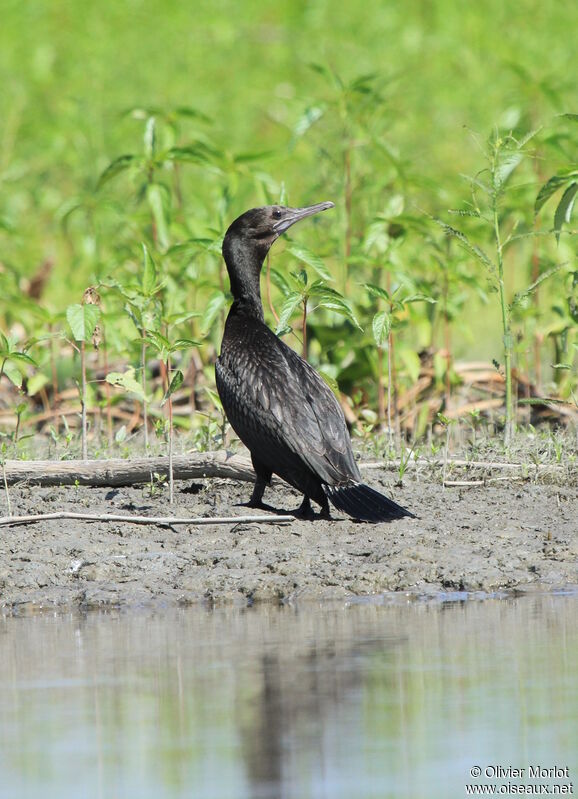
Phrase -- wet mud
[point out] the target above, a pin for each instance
(487, 538)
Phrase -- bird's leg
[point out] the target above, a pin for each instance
(262, 480)
(324, 512)
(256, 500)
(304, 511)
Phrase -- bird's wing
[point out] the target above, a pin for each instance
(282, 409)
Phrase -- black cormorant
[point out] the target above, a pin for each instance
(278, 405)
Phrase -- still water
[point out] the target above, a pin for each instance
(370, 699)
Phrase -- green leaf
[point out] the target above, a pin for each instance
(36, 382)
(342, 308)
(520, 296)
(564, 209)
(381, 327)
(13, 373)
(120, 434)
(473, 249)
(377, 292)
(250, 158)
(214, 397)
(377, 238)
(176, 383)
(21, 357)
(120, 164)
(82, 320)
(418, 298)
(411, 361)
(159, 342)
(149, 275)
(191, 113)
(192, 154)
(215, 304)
(331, 299)
(464, 212)
(180, 318)
(551, 187)
(183, 344)
(311, 115)
(292, 301)
(331, 381)
(311, 259)
(280, 281)
(128, 381)
(193, 247)
(158, 200)
(508, 162)
(394, 206)
(149, 138)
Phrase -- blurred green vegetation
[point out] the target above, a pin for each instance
(123, 124)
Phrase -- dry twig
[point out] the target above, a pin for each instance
(163, 521)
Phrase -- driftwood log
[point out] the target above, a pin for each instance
(120, 472)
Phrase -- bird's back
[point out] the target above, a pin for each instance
(281, 408)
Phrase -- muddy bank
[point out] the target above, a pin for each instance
(482, 538)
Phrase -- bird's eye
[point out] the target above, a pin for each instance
(277, 214)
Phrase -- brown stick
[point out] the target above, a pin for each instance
(120, 472)
(532, 468)
(159, 520)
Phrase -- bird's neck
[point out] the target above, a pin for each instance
(244, 269)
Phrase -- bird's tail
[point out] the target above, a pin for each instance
(362, 502)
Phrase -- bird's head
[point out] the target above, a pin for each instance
(254, 232)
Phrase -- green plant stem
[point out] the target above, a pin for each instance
(53, 371)
(8, 503)
(348, 201)
(143, 354)
(389, 379)
(447, 335)
(446, 453)
(507, 338)
(170, 403)
(380, 387)
(83, 400)
(107, 387)
(304, 329)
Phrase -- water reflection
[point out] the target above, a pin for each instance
(359, 700)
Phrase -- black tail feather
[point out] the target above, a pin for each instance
(362, 502)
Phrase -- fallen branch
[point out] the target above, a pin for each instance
(484, 482)
(120, 472)
(156, 520)
(531, 468)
